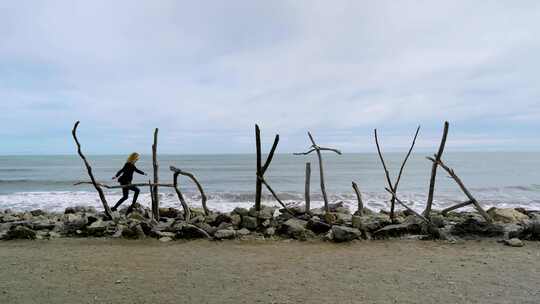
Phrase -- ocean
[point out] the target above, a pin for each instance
(502, 179)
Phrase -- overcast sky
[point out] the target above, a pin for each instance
(205, 72)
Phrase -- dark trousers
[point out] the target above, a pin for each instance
(125, 195)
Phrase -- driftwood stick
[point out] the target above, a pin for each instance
(155, 192)
(187, 212)
(275, 195)
(359, 198)
(270, 155)
(151, 192)
(387, 174)
(199, 186)
(124, 186)
(457, 206)
(261, 169)
(432, 179)
(463, 188)
(258, 183)
(405, 159)
(108, 212)
(317, 149)
(306, 189)
(408, 208)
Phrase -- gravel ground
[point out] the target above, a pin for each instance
(148, 271)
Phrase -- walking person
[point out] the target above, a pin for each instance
(126, 177)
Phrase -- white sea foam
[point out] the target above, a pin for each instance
(57, 201)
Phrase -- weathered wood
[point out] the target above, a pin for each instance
(359, 198)
(258, 183)
(155, 165)
(261, 169)
(187, 212)
(386, 173)
(199, 186)
(307, 196)
(401, 169)
(432, 179)
(461, 185)
(275, 195)
(408, 208)
(124, 186)
(457, 206)
(151, 192)
(108, 212)
(318, 149)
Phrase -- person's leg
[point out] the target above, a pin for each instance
(125, 195)
(135, 196)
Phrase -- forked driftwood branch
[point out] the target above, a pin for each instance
(359, 198)
(155, 191)
(458, 181)
(307, 196)
(432, 179)
(108, 212)
(315, 148)
(261, 169)
(387, 174)
(196, 182)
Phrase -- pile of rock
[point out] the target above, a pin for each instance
(338, 225)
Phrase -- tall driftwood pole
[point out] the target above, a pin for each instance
(155, 193)
(394, 187)
(307, 190)
(318, 149)
(432, 179)
(108, 212)
(261, 169)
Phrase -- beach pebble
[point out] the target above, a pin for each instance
(507, 215)
(515, 242)
(224, 234)
(249, 222)
(345, 234)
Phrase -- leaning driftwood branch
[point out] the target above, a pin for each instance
(108, 212)
(387, 174)
(123, 186)
(307, 186)
(438, 156)
(261, 169)
(408, 208)
(359, 198)
(155, 193)
(199, 186)
(275, 195)
(187, 212)
(457, 206)
(462, 187)
(317, 149)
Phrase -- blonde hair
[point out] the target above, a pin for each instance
(133, 157)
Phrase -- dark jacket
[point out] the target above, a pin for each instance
(127, 173)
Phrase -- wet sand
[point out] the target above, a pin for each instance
(147, 271)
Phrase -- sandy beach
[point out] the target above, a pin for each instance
(148, 271)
